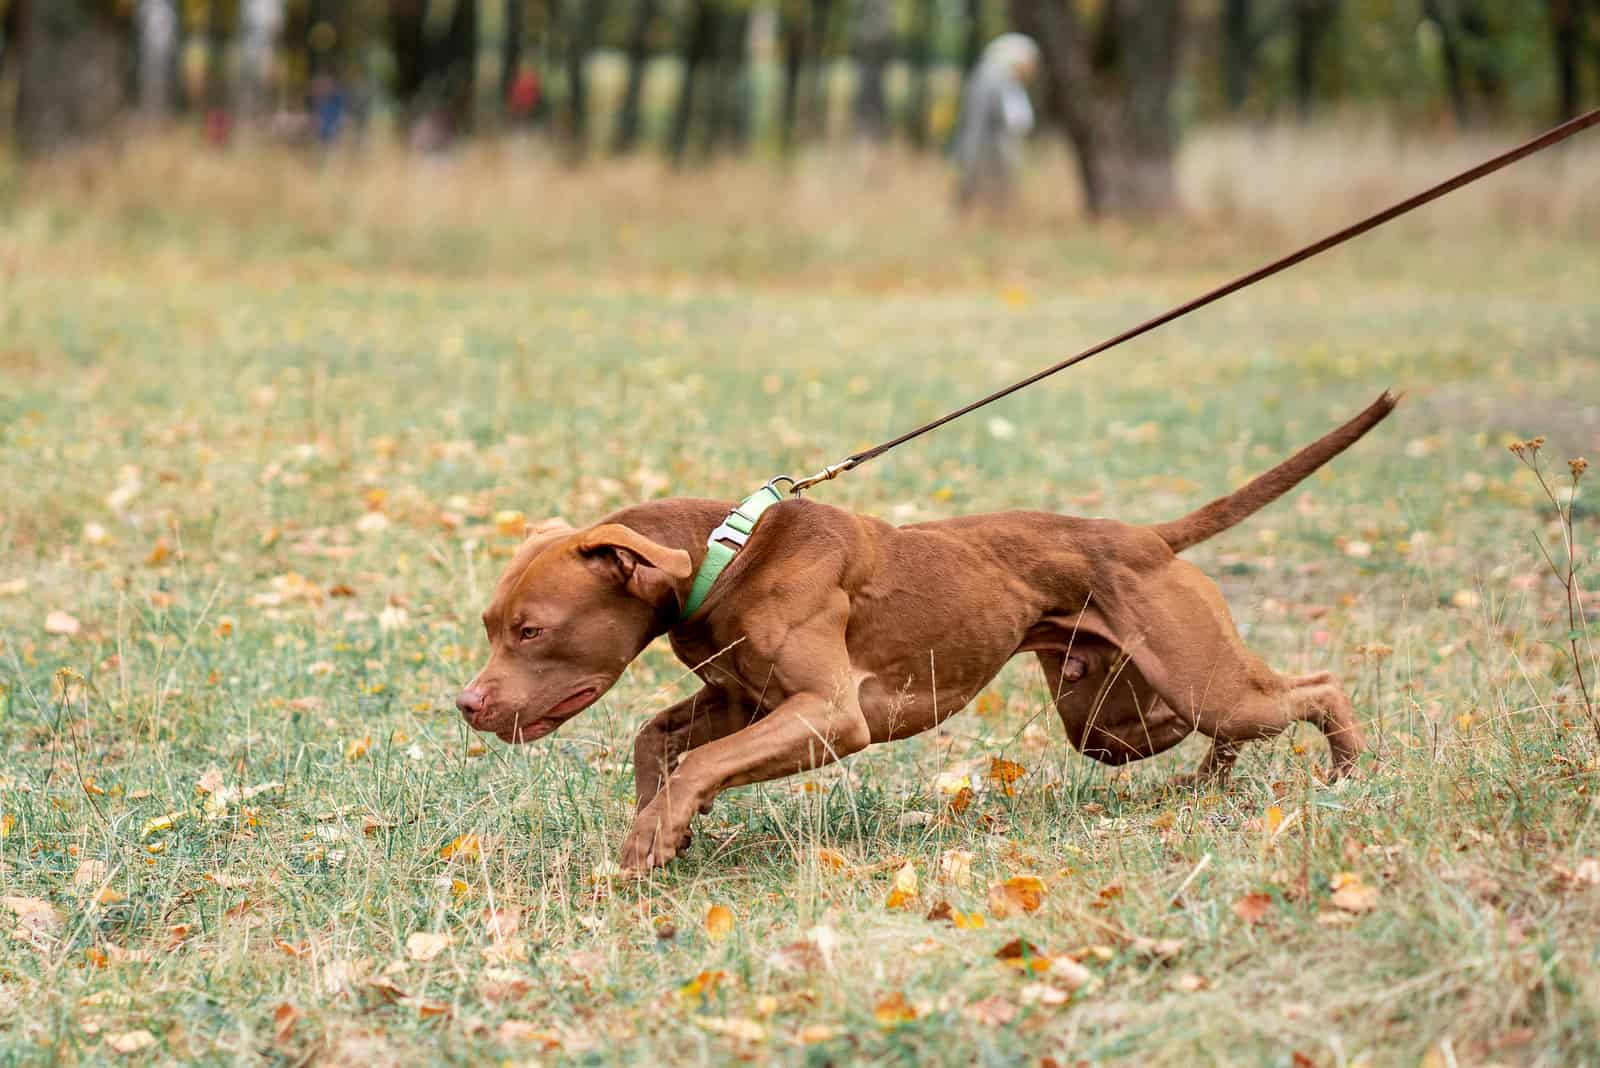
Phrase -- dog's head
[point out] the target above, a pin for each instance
(572, 609)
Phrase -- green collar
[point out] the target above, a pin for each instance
(719, 553)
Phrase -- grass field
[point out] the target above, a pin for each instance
(268, 431)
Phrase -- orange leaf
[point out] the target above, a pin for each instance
(1021, 893)
(702, 986)
(467, 847)
(1252, 908)
(1022, 954)
(1004, 773)
(893, 1011)
(719, 922)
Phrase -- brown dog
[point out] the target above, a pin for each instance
(831, 631)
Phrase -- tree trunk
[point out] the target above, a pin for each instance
(158, 57)
(818, 96)
(873, 43)
(1149, 34)
(972, 46)
(920, 58)
(1312, 21)
(1566, 37)
(1238, 52)
(511, 49)
(408, 41)
(701, 43)
(793, 30)
(628, 120)
(729, 111)
(72, 57)
(1064, 55)
(583, 17)
(461, 67)
(1449, 45)
(260, 24)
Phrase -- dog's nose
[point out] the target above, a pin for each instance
(470, 702)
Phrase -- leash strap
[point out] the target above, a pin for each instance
(1411, 203)
(726, 541)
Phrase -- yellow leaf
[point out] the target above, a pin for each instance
(1273, 819)
(1021, 893)
(467, 847)
(719, 922)
(1024, 955)
(968, 921)
(955, 865)
(702, 986)
(358, 748)
(904, 892)
(510, 523)
(7, 822)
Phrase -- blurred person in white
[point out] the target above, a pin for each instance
(996, 115)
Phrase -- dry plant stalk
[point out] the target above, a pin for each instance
(1527, 452)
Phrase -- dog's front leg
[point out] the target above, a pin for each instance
(806, 731)
(705, 717)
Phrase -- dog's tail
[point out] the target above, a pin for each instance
(1261, 491)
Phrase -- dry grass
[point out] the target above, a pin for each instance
(258, 419)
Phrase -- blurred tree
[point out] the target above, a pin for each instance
(874, 33)
(158, 57)
(512, 31)
(1114, 96)
(435, 48)
(728, 113)
(581, 23)
(699, 48)
(73, 60)
(638, 49)
(1313, 22)
(919, 57)
(1568, 37)
(794, 30)
(260, 26)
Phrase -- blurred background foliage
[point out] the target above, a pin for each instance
(1124, 80)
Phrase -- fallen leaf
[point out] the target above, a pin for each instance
(832, 858)
(211, 781)
(504, 984)
(701, 987)
(131, 1041)
(1252, 908)
(466, 847)
(423, 946)
(501, 923)
(1273, 819)
(1005, 773)
(813, 1034)
(1070, 973)
(586, 961)
(59, 622)
(893, 1011)
(1021, 893)
(903, 894)
(7, 822)
(992, 1011)
(358, 748)
(1024, 955)
(941, 913)
(719, 922)
(1351, 894)
(520, 1031)
(1189, 982)
(967, 921)
(955, 866)
(1045, 994)
(89, 873)
(284, 1017)
(733, 1027)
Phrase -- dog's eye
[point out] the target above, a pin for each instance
(530, 633)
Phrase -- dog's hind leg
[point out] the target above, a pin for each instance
(1193, 656)
(1108, 708)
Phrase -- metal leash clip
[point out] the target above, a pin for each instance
(830, 472)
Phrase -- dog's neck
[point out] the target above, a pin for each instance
(678, 523)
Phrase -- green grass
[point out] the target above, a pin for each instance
(259, 394)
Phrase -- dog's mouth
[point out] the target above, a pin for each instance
(558, 714)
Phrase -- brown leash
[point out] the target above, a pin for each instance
(1467, 177)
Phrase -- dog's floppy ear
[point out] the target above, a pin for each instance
(647, 568)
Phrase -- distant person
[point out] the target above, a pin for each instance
(996, 115)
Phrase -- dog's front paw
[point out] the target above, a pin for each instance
(655, 839)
